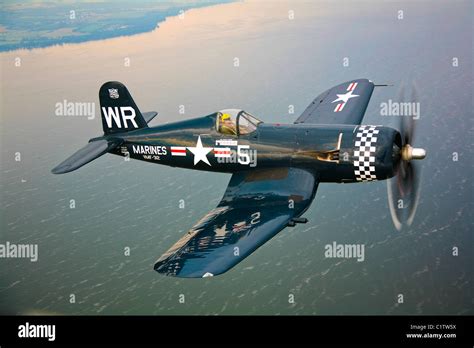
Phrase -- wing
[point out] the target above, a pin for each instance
(343, 104)
(256, 206)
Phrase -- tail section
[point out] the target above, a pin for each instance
(119, 112)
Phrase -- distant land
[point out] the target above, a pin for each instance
(30, 24)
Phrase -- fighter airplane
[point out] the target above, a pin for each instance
(276, 168)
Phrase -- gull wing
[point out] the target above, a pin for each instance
(343, 104)
(255, 207)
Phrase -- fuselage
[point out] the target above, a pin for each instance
(337, 153)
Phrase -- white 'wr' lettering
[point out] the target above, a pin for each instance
(112, 113)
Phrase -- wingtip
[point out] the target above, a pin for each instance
(60, 169)
(161, 268)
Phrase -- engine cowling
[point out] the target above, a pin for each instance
(375, 153)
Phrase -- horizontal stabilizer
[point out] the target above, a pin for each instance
(148, 116)
(88, 153)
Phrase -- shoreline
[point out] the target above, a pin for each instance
(156, 26)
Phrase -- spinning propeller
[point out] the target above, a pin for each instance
(404, 188)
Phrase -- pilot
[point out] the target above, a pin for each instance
(227, 125)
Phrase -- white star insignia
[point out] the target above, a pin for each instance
(345, 97)
(200, 152)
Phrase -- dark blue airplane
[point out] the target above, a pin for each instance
(276, 168)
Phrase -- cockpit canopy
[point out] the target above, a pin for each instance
(236, 122)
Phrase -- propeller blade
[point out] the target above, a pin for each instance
(403, 194)
(403, 190)
(415, 194)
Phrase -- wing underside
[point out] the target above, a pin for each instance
(343, 104)
(255, 207)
